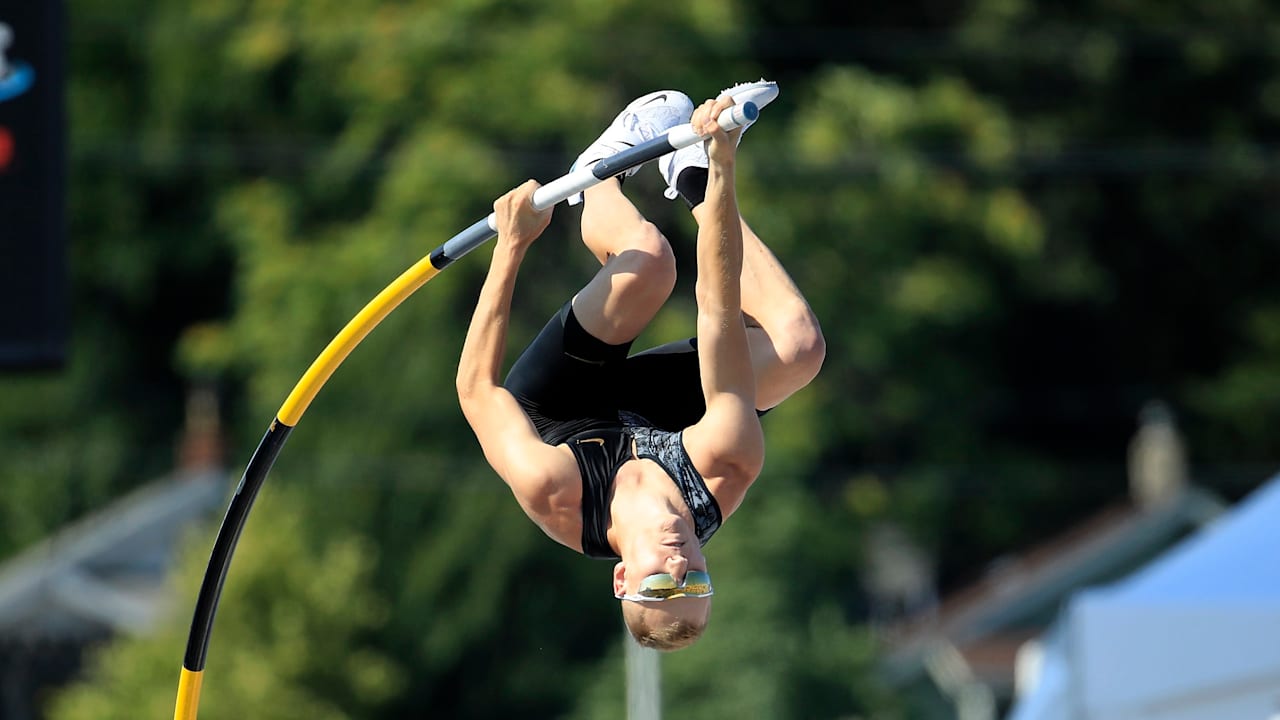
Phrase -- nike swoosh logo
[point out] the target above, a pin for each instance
(580, 359)
(654, 99)
(592, 440)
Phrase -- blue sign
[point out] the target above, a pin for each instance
(19, 79)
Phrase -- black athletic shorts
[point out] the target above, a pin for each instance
(569, 381)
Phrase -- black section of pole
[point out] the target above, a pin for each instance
(225, 544)
(439, 260)
(464, 242)
(632, 157)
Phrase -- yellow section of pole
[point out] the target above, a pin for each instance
(188, 695)
(355, 331)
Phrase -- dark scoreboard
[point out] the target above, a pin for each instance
(33, 274)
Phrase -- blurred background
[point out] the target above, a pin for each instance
(1041, 239)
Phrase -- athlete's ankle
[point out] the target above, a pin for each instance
(692, 185)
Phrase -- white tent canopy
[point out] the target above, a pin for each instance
(1195, 634)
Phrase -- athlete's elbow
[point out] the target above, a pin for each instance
(469, 385)
(473, 409)
(464, 384)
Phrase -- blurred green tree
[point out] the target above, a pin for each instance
(1002, 212)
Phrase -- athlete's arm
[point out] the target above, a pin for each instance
(728, 439)
(486, 343)
(510, 443)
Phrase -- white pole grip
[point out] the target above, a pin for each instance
(731, 118)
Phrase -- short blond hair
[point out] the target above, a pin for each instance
(667, 635)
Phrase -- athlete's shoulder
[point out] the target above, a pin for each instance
(548, 488)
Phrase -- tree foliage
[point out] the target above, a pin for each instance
(1017, 222)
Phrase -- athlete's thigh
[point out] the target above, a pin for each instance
(626, 293)
(565, 373)
(663, 386)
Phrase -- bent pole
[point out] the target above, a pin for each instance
(322, 368)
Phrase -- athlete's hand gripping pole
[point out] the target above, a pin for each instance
(355, 331)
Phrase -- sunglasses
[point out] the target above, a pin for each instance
(662, 586)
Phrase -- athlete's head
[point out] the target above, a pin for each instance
(665, 592)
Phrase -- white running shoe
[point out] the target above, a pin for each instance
(762, 92)
(646, 118)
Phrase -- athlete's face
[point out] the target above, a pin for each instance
(671, 548)
(673, 569)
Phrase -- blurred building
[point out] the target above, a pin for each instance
(959, 659)
(899, 576)
(101, 576)
(1193, 635)
(1158, 470)
(104, 574)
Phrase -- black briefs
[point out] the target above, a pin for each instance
(595, 398)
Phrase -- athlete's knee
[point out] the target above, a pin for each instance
(647, 254)
(799, 342)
